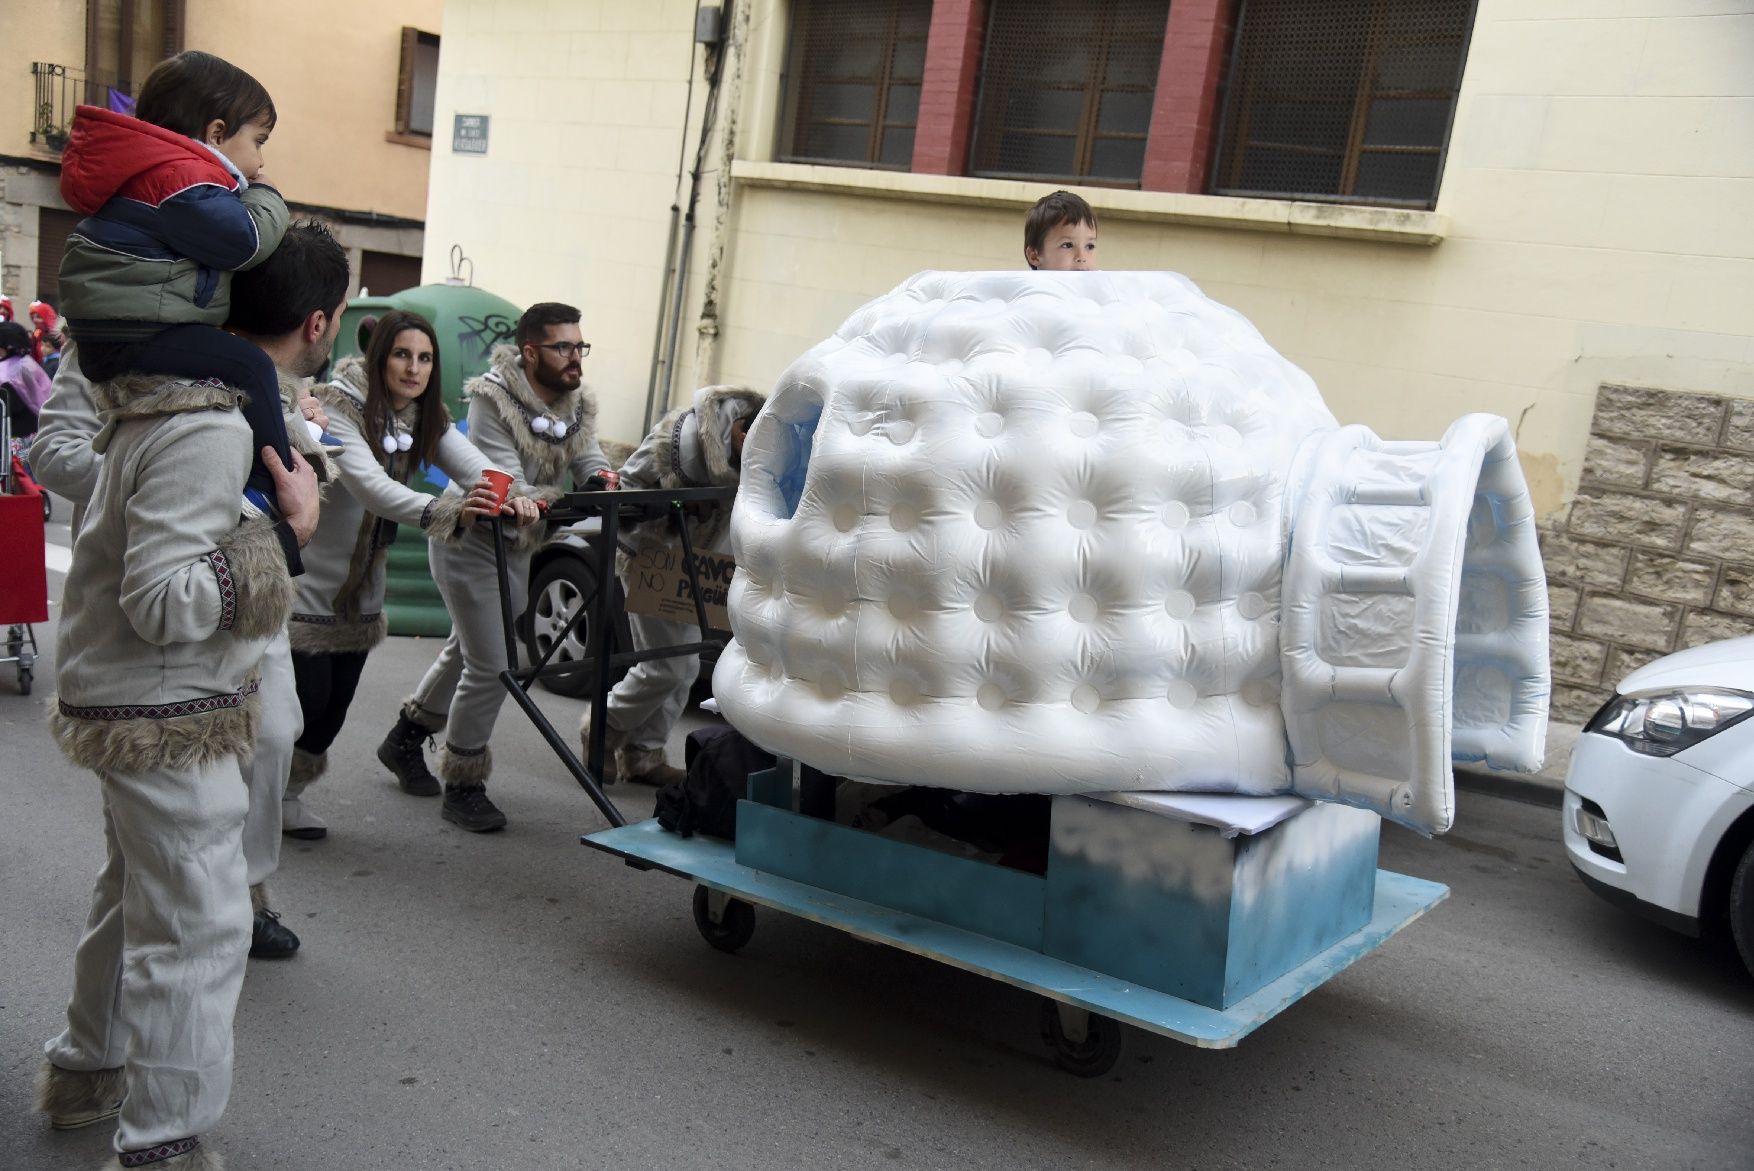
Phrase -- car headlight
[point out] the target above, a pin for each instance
(1662, 723)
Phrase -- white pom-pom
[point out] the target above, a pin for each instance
(540, 424)
(390, 444)
(316, 431)
(404, 441)
(560, 429)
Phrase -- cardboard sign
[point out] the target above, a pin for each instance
(657, 584)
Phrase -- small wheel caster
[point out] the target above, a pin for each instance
(1084, 1043)
(724, 922)
(24, 680)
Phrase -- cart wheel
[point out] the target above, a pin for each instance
(24, 680)
(1090, 1056)
(736, 922)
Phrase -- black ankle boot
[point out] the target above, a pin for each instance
(471, 809)
(402, 754)
(269, 939)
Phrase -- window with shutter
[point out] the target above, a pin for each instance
(1066, 89)
(416, 82)
(1348, 100)
(853, 81)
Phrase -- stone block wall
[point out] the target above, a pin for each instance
(1656, 552)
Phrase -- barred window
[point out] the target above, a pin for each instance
(853, 81)
(1348, 99)
(1066, 89)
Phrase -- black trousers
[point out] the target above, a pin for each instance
(204, 351)
(326, 684)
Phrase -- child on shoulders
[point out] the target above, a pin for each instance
(175, 202)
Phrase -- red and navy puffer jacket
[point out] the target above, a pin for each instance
(166, 224)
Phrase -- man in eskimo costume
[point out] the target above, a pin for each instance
(531, 415)
(698, 446)
(171, 600)
(288, 305)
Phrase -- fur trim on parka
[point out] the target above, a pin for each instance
(713, 408)
(312, 634)
(293, 388)
(193, 733)
(148, 396)
(178, 742)
(545, 459)
(346, 630)
(258, 569)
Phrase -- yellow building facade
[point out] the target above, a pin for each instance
(1595, 221)
(335, 71)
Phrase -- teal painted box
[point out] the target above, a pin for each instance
(1149, 898)
(1178, 907)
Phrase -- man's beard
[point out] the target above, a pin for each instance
(556, 380)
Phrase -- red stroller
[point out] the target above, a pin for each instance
(24, 582)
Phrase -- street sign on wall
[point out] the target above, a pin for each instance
(469, 135)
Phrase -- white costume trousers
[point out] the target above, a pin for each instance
(157, 973)
(647, 702)
(462, 686)
(282, 722)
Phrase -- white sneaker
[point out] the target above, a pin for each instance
(297, 821)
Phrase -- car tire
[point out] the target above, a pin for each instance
(558, 588)
(1742, 907)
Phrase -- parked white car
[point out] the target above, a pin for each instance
(1659, 799)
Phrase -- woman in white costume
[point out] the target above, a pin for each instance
(388, 411)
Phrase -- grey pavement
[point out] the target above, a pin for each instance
(519, 1001)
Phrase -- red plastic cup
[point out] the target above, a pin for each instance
(502, 484)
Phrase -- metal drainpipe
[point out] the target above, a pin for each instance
(665, 292)
(663, 297)
(676, 296)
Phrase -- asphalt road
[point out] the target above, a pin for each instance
(519, 1001)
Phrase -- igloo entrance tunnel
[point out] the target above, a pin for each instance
(1087, 532)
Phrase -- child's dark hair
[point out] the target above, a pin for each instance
(533, 325)
(186, 92)
(429, 428)
(1049, 212)
(306, 273)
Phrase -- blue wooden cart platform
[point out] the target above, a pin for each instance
(1396, 901)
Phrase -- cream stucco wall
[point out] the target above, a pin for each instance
(572, 200)
(1595, 223)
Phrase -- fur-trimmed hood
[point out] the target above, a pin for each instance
(293, 388)
(545, 457)
(695, 450)
(346, 391)
(151, 396)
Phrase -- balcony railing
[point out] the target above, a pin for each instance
(59, 90)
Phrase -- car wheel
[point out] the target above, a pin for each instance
(1742, 907)
(559, 588)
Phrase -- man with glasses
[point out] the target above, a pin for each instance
(533, 417)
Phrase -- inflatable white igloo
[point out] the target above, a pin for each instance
(1087, 532)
